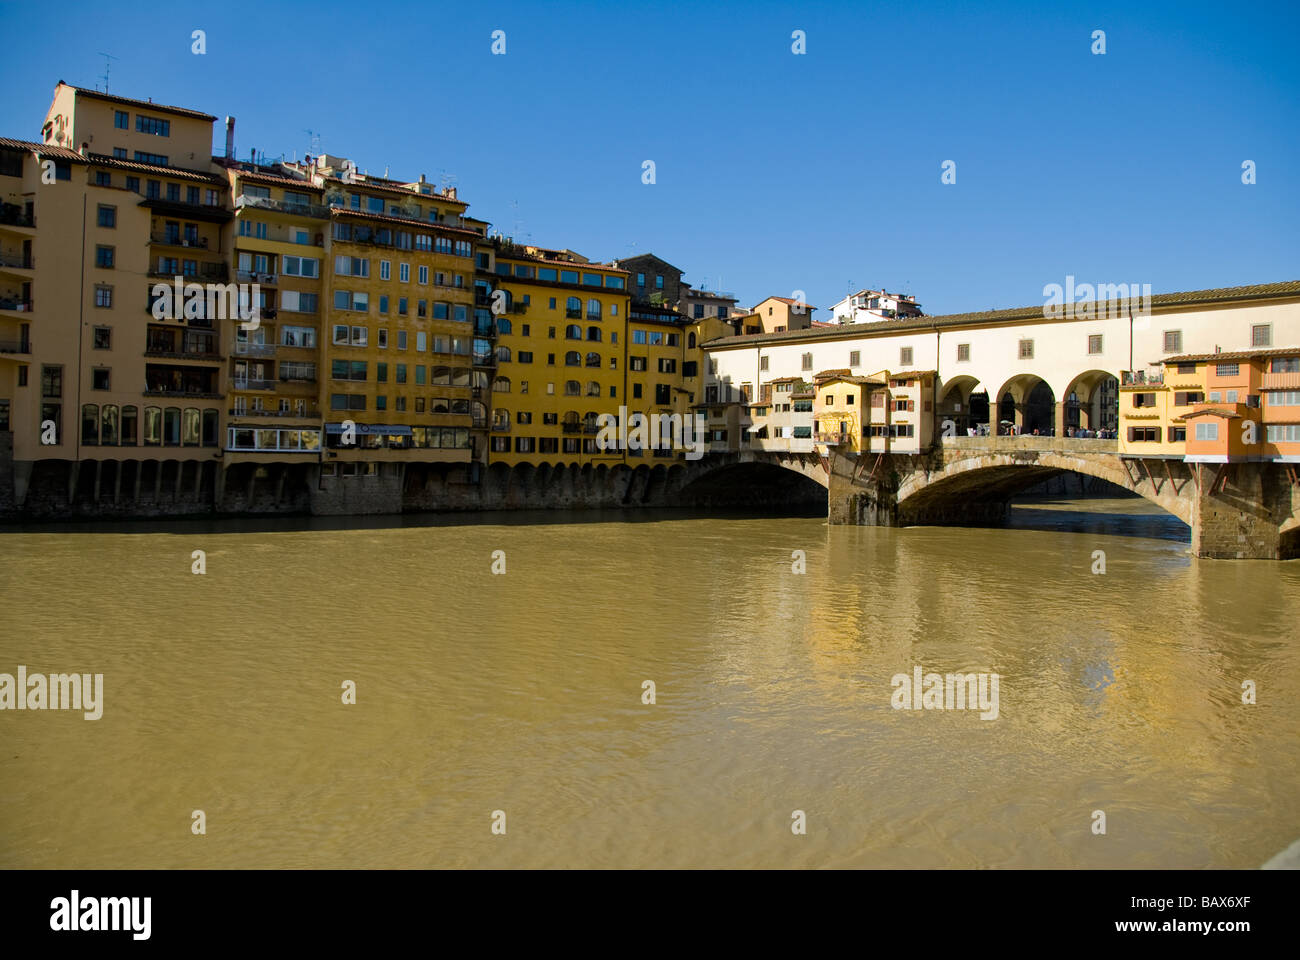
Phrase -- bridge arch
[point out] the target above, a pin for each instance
(990, 477)
(758, 478)
(1089, 401)
(964, 401)
(1026, 401)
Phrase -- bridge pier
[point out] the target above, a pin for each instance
(1239, 510)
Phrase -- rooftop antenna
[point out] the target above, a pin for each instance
(315, 142)
(514, 205)
(108, 65)
(448, 180)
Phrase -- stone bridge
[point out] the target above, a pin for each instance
(1248, 510)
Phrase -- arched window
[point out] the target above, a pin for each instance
(572, 388)
(593, 309)
(573, 359)
(573, 332)
(573, 308)
(593, 333)
(152, 426)
(593, 359)
(108, 424)
(503, 325)
(503, 354)
(501, 385)
(593, 388)
(439, 405)
(500, 419)
(590, 422)
(172, 426)
(130, 418)
(479, 412)
(460, 406)
(191, 427)
(90, 424)
(690, 341)
(571, 418)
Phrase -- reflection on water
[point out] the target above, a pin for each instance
(522, 692)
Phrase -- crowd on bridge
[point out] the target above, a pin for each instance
(1014, 430)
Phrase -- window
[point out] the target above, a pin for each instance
(659, 281)
(133, 184)
(1026, 350)
(1173, 341)
(805, 363)
(104, 257)
(103, 298)
(855, 359)
(1187, 398)
(102, 338)
(153, 125)
(636, 364)
(1207, 431)
(99, 379)
(381, 338)
(404, 272)
(423, 274)
(1261, 334)
(300, 266)
(1226, 369)
(121, 120)
(107, 216)
(763, 361)
(905, 356)
(1283, 398)
(1094, 343)
(1282, 433)
(157, 159)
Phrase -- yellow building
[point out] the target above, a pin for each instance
(404, 364)
(841, 409)
(560, 360)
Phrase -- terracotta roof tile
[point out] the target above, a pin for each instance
(147, 104)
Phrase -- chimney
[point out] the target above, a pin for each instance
(451, 193)
(85, 149)
(230, 138)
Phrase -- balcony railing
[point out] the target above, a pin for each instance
(254, 276)
(250, 383)
(254, 349)
(498, 427)
(485, 360)
(314, 210)
(1129, 378)
(17, 260)
(191, 394)
(168, 351)
(572, 314)
(13, 216)
(571, 427)
(11, 303)
(179, 240)
(15, 346)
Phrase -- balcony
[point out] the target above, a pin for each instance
(209, 213)
(1138, 378)
(208, 272)
(171, 239)
(18, 306)
(16, 261)
(571, 427)
(16, 346)
(1279, 381)
(12, 215)
(498, 427)
(183, 394)
(253, 276)
(485, 360)
(572, 314)
(315, 211)
(167, 351)
(248, 383)
(254, 349)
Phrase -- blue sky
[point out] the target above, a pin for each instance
(775, 172)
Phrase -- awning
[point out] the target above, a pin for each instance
(380, 429)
